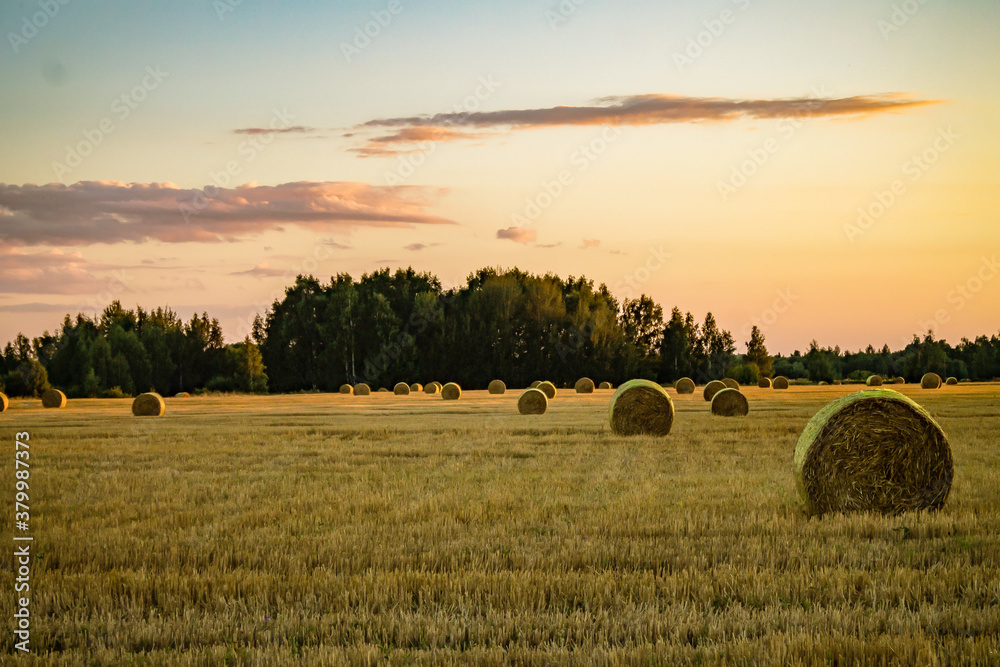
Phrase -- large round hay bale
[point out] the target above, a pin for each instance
(873, 450)
(764, 383)
(451, 392)
(712, 388)
(731, 383)
(4, 402)
(534, 385)
(362, 389)
(53, 398)
(548, 389)
(432, 388)
(874, 381)
(780, 382)
(149, 404)
(641, 407)
(605, 385)
(497, 387)
(532, 402)
(416, 387)
(930, 381)
(684, 386)
(584, 386)
(951, 381)
(730, 402)
(401, 389)
(346, 389)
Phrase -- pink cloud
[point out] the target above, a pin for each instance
(517, 234)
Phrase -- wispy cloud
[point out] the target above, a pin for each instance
(517, 234)
(294, 129)
(49, 271)
(589, 243)
(262, 270)
(420, 246)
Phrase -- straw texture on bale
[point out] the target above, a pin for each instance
(149, 404)
(605, 385)
(730, 402)
(780, 382)
(497, 387)
(548, 389)
(874, 450)
(764, 383)
(4, 402)
(930, 381)
(401, 389)
(362, 389)
(346, 389)
(874, 381)
(53, 398)
(641, 407)
(731, 383)
(534, 385)
(951, 381)
(451, 392)
(712, 388)
(584, 386)
(532, 402)
(416, 387)
(684, 386)
(432, 388)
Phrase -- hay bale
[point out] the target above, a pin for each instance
(873, 450)
(362, 389)
(641, 407)
(149, 404)
(53, 398)
(4, 402)
(451, 392)
(780, 382)
(764, 383)
(874, 381)
(548, 389)
(930, 381)
(605, 385)
(900, 380)
(534, 385)
(497, 387)
(712, 388)
(432, 388)
(532, 402)
(823, 383)
(401, 389)
(416, 387)
(731, 383)
(346, 389)
(383, 390)
(584, 386)
(684, 386)
(182, 394)
(951, 381)
(730, 402)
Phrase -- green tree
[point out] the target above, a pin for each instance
(757, 352)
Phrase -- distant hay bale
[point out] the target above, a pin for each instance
(497, 387)
(900, 380)
(684, 386)
(951, 381)
(432, 388)
(532, 402)
(416, 387)
(712, 388)
(780, 382)
(53, 398)
(874, 450)
(548, 389)
(182, 394)
(930, 381)
(149, 404)
(584, 386)
(4, 402)
(401, 389)
(730, 402)
(383, 390)
(874, 381)
(823, 383)
(605, 385)
(764, 383)
(346, 389)
(641, 407)
(451, 392)
(534, 385)
(731, 383)
(362, 389)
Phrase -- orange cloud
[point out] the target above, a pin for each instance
(517, 234)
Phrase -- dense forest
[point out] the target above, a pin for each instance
(402, 326)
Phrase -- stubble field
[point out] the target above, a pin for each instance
(333, 529)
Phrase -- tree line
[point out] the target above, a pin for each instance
(393, 326)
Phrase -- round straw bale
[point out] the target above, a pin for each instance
(401, 389)
(584, 386)
(346, 389)
(497, 387)
(605, 385)
(712, 388)
(730, 402)
(548, 389)
(900, 380)
(53, 398)
(149, 404)
(641, 407)
(362, 389)
(451, 392)
(780, 382)
(684, 386)
(874, 381)
(416, 387)
(532, 402)
(383, 390)
(951, 380)
(764, 383)
(432, 388)
(930, 381)
(873, 450)
(4, 402)
(731, 383)
(182, 394)
(534, 385)
(823, 383)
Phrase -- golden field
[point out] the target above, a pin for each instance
(335, 529)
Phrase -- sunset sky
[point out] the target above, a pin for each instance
(715, 155)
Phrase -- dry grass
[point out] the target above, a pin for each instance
(318, 529)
